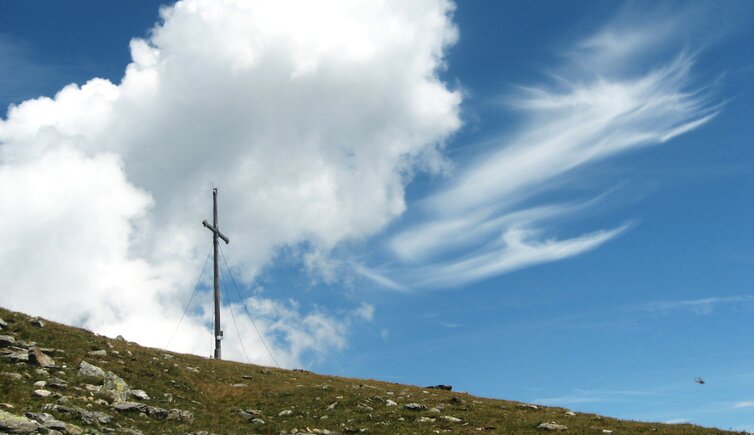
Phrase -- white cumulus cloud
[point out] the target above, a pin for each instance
(309, 117)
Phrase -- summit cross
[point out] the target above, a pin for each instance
(215, 235)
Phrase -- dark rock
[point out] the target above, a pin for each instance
(7, 340)
(157, 413)
(441, 387)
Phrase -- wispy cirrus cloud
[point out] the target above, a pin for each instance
(491, 219)
(699, 306)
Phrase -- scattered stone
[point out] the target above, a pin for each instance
(414, 407)
(332, 405)
(239, 385)
(180, 415)
(364, 408)
(42, 393)
(40, 384)
(452, 419)
(389, 402)
(12, 375)
(87, 370)
(286, 412)
(93, 388)
(39, 323)
(196, 370)
(98, 353)
(570, 413)
(7, 340)
(157, 413)
(435, 410)
(58, 383)
(40, 358)
(88, 417)
(257, 421)
(247, 377)
(527, 406)
(552, 426)
(129, 406)
(115, 387)
(41, 372)
(3, 323)
(442, 387)
(120, 338)
(140, 394)
(16, 424)
(606, 431)
(425, 420)
(19, 356)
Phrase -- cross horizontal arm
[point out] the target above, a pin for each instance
(216, 231)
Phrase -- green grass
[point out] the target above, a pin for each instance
(210, 396)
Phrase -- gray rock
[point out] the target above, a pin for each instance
(527, 406)
(58, 383)
(42, 393)
(389, 402)
(89, 417)
(39, 323)
(414, 407)
(40, 384)
(3, 323)
(452, 419)
(364, 408)
(40, 358)
(39, 417)
(19, 356)
(425, 420)
(140, 394)
(16, 424)
(570, 413)
(181, 415)
(87, 370)
(552, 426)
(115, 387)
(239, 385)
(129, 406)
(98, 353)
(285, 412)
(7, 340)
(257, 421)
(120, 338)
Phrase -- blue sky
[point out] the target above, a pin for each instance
(572, 227)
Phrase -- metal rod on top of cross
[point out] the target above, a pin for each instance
(215, 235)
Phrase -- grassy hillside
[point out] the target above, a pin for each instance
(190, 394)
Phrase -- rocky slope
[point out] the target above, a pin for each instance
(57, 379)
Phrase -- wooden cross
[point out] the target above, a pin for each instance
(215, 235)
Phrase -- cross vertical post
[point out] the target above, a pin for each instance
(216, 234)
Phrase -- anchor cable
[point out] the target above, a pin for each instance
(232, 316)
(243, 304)
(196, 286)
